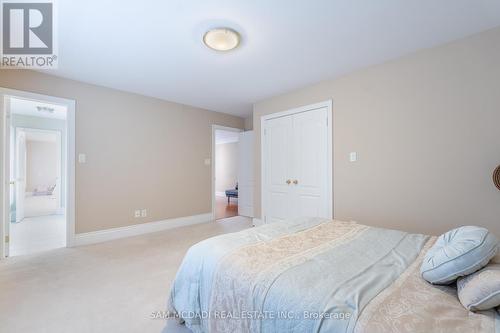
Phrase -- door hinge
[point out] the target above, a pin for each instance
(7, 239)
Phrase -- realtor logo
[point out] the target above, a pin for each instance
(28, 35)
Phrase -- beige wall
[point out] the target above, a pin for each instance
(142, 152)
(226, 173)
(426, 129)
(41, 164)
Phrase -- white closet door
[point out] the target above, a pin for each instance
(297, 166)
(309, 183)
(278, 149)
(245, 173)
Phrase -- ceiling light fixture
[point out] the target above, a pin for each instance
(222, 39)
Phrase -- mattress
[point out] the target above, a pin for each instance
(316, 275)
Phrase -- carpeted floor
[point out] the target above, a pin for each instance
(107, 287)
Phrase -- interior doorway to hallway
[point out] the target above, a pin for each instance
(232, 172)
(226, 173)
(39, 173)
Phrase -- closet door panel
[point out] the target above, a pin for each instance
(277, 199)
(310, 163)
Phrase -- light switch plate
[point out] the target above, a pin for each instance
(353, 156)
(207, 161)
(82, 158)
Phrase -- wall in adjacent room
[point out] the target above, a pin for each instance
(59, 125)
(226, 173)
(41, 164)
(249, 123)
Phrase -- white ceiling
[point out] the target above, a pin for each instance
(155, 47)
(29, 108)
(222, 136)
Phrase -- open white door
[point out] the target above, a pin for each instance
(245, 173)
(59, 198)
(11, 177)
(20, 162)
(9, 183)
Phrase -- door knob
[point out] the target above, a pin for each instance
(295, 181)
(288, 181)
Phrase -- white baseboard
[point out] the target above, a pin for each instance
(256, 222)
(245, 211)
(220, 194)
(139, 229)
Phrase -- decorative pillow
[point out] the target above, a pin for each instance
(481, 290)
(458, 252)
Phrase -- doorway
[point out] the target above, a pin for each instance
(39, 173)
(225, 189)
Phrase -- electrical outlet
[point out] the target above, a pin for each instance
(137, 213)
(144, 213)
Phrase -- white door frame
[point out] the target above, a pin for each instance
(329, 105)
(5, 93)
(215, 128)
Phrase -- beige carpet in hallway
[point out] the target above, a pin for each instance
(106, 287)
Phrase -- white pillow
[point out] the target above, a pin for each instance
(481, 290)
(458, 252)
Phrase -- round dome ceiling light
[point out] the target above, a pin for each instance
(221, 39)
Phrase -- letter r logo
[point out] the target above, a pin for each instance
(27, 28)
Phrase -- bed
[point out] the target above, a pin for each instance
(316, 275)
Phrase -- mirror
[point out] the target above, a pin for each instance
(496, 177)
